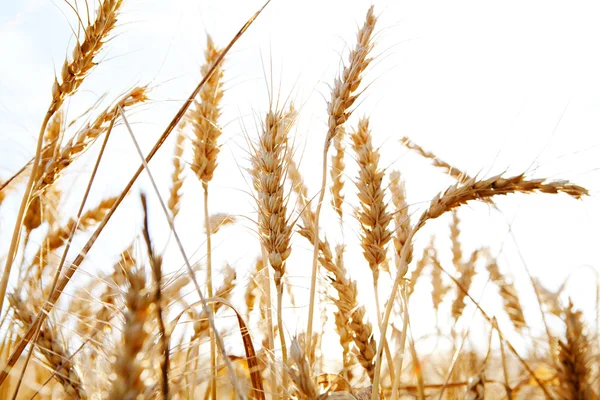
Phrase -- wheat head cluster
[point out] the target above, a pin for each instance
(136, 331)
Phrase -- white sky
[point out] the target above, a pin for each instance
(488, 86)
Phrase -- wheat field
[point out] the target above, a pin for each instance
(114, 289)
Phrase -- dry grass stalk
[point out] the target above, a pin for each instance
(339, 108)
(177, 174)
(127, 382)
(401, 218)
(53, 351)
(573, 356)
(337, 172)
(156, 262)
(3, 192)
(454, 172)
(512, 305)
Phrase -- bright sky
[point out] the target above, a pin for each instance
(487, 86)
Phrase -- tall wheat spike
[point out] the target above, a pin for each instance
(204, 119)
(339, 108)
(274, 225)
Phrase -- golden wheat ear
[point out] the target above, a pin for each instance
(339, 108)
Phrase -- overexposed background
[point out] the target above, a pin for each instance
(489, 87)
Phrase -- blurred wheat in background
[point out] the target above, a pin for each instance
(172, 318)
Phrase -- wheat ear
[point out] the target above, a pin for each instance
(339, 108)
(301, 375)
(512, 305)
(372, 214)
(177, 174)
(467, 272)
(274, 226)
(337, 172)
(401, 217)
(204, 119)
